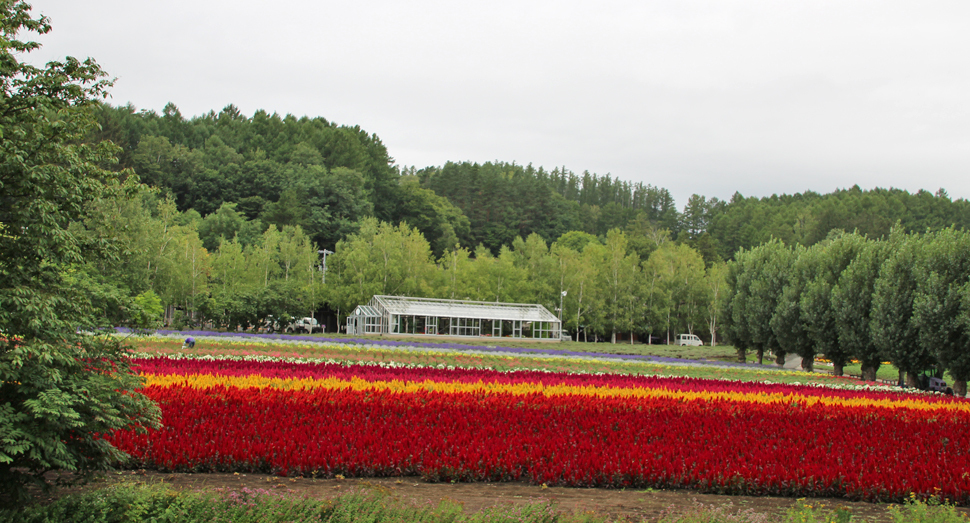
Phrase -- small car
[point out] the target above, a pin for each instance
(688, 339)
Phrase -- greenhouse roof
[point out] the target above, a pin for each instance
(405, 306)
(366, 310)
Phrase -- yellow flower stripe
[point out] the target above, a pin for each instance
(357, 384)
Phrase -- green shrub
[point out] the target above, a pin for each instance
(932, 511)
(817, 513)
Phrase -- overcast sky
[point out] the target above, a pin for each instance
(698, 97)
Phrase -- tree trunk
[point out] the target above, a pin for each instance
(808, 363)
(912, 380)
(837, 369)
(901, 381)
(780, 358)
(742, 354)
(869, 372)
(761, 356)
(960, 388)
(613, 338)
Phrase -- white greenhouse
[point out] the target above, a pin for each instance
(429, 316)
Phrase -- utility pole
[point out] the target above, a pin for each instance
(323, 268)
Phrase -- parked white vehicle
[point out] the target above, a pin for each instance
(305, 326)
(688, 339)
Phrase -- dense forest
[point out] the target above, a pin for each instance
(273, 274)
(325, 177)
(227, 215)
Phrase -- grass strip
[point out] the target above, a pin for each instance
(160, 504)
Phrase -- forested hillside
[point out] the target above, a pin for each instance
(808, 218)
(236, 210)
(324, 177)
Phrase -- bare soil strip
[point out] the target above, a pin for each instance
(622, 505)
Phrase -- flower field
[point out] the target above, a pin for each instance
(477, 357)
(291, 417)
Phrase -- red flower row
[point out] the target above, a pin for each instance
(713, 446)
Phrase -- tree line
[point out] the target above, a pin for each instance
(605, 287)
(324, 177)
(904, 299)
(227, 270)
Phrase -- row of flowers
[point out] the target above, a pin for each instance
(294, 418)
(405, 358)
(302, 374)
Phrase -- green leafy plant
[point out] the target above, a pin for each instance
(61, 388)
(931, 511)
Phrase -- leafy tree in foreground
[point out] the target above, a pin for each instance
(59, 388)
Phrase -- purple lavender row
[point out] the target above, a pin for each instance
(454, 346)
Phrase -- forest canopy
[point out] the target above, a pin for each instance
(227, 216)
(325, 177)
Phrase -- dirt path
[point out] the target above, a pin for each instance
(636, 505)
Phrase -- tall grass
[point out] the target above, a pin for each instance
(159, 504)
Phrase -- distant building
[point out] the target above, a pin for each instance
(431, 317)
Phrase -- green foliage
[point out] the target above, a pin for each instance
(757, 278)
(939, 302)
(59, 387)
(852, 305)
(817, 513)
(226, 224)
(932, 511)
(817, 310)
(788, 323)
(379, 259)
(622, 308)
(438, 220)
(891, 320)
(675, 290)
(124, 503)
(718, 294)
(576, 240)
(325, 178)
(808, 218)
(331, 175)
(148, 312)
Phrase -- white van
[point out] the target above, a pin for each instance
(688, 339)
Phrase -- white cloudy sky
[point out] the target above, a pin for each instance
(708, 97)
